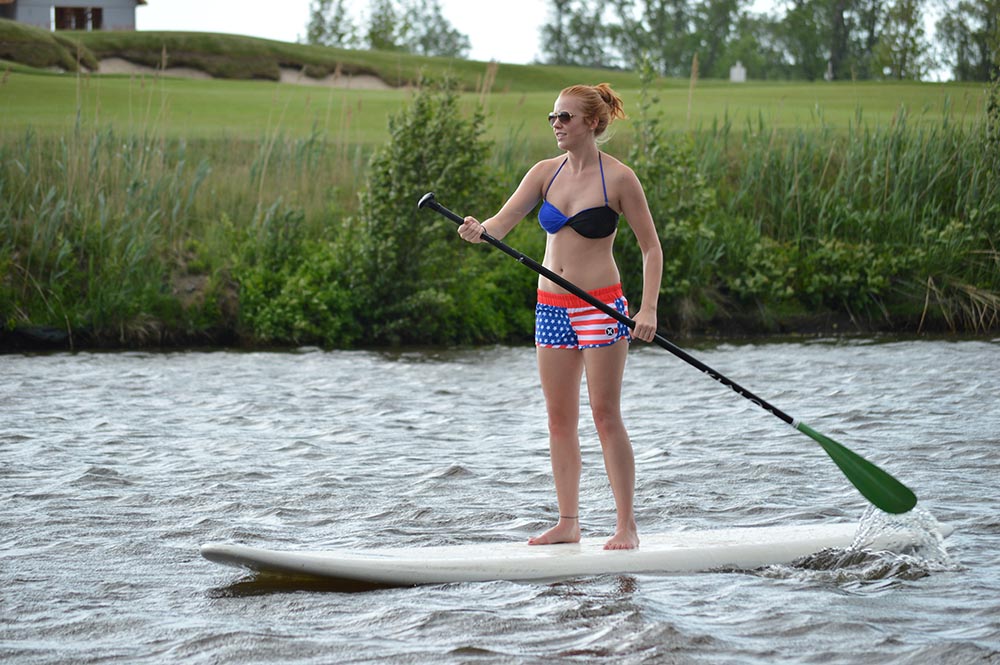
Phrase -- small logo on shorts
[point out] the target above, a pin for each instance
(610, 331)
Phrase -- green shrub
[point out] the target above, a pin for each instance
(302, 301)
(411, 273)
(685, 211)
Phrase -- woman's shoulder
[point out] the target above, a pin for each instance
(544, 169)
(616, 169)
(613, 163)
(548, 164)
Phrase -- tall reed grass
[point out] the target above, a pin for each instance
(884, 218)
(101, 231)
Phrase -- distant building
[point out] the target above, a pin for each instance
(73, 14)
(738, 73)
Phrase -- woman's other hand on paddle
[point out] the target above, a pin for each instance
(471, 230)
(645, 326)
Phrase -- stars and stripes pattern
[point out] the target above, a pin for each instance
(563, 321)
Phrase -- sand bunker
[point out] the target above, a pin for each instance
(357, 81)
(288, 75)
(119, 66)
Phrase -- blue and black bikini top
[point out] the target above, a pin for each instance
(597, 222)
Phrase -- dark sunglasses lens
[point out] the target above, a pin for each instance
(562, 117)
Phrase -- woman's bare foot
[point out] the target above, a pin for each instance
(625, 538)
(566, 531)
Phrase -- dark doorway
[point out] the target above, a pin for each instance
(79, 18)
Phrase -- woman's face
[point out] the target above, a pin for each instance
(573, 128)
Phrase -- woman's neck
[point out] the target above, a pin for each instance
(582, 157)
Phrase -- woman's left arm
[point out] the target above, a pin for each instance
(636, 211)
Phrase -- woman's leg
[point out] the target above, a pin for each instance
(605, 368)
(561, 371)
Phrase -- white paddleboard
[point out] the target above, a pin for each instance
(680, 551)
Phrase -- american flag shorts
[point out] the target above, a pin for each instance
(565, 321)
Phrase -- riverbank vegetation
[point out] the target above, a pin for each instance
(297, 226)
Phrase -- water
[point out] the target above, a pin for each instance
(114, 468)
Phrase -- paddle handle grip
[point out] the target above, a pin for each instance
(428, 201)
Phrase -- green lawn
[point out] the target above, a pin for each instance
(184, 108)
(249, 104)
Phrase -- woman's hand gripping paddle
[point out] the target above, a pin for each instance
(878, 486)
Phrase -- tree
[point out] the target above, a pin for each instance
(970, 36)
(664, 30)
(414, 26)
(803, 36)
(840, 53)
(714, 24)
(578, 35)
(902, 49)
(667, 34)
(330, 24)
(556, 40)
(865, 24)
(383, 30)
(414, 278)
(426, 31)
(757, 45)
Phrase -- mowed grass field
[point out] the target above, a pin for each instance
(247, 110)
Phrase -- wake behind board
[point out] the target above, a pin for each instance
(676, 552)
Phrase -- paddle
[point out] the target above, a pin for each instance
(880, 488)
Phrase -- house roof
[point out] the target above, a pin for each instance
(10, 2)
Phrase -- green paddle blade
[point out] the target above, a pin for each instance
(885, 492)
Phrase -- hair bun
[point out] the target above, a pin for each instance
(600, 102)
(612, 99)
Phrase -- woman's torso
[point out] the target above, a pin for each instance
(587, 262)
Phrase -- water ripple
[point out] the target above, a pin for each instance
(115, 467)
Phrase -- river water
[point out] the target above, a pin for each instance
(115, 467)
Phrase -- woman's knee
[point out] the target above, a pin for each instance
(563, 426)
(607, 420)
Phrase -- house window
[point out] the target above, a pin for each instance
(79, 18)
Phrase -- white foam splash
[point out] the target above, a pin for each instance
(886, 550)
(916, 534)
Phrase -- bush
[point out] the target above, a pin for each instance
(414, 278)
(685, 211)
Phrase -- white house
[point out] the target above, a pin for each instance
(73, 14)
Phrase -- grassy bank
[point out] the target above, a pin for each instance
(149, 210)
(180, 108)
(237, 57)
(239, 103)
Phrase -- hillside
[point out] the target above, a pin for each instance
(250, 58)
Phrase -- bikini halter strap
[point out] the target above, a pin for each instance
(600, 163)
(554, 177)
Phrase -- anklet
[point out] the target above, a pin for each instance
(569, 517)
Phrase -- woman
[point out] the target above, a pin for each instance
(583, 192)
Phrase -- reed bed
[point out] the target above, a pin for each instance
(101, 231)
(878, 218)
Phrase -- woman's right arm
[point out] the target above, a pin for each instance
(518, 206)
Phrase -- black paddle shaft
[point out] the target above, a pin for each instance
(428, 201)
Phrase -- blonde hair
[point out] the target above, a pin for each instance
(599, 101)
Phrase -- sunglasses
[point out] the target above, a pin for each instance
(562, 116)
